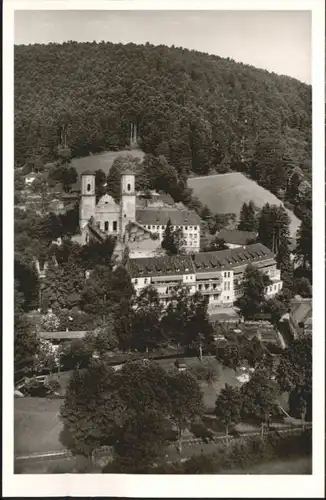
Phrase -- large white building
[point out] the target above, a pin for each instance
(135, 219)
(219, 275)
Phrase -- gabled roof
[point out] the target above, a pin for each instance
(231, 258)
(301, 311)
(160, 266)
(154, 216)
(237, 237)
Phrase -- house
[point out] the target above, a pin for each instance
(300, 317)
(30, 178)
(234, 238)
(217, 275)
(67, 335)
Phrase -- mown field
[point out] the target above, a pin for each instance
(226, 193)
(37, 425)
(102, 161)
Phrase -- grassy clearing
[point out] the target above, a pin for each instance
(102, 161)
(226, 193)
(37, 425)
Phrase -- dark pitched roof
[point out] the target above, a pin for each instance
(234, 257)
(236, 237)
(160, 266)
(87, 172)
(161, 216)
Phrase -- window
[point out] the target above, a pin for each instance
(229, 275)
(225, 275)
(145, 281)
(106, 226)
(128, 187)
(88, 187)
(162, 227)
(186, 228)
(115, 225)
(157, 227)
(136, 281)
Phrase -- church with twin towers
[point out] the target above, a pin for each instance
(138, 220)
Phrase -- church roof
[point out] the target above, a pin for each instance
(161, 216)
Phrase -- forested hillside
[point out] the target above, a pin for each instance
(200, 111)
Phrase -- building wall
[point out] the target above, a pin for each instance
(191, 235)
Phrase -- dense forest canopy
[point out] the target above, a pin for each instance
(202, 112)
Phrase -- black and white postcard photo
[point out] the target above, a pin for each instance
(164, 202)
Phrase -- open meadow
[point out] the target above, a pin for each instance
(102, 161)
(226, 193)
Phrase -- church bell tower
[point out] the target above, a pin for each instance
(88, 199)
(128, 200)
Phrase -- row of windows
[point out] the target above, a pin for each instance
(162, 228)
(274, 288)
(107, 226)
(227, 274)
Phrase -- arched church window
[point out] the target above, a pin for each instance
(129, 187)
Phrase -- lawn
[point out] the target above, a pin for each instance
(102, 161)
(226, 193)
(37, 425)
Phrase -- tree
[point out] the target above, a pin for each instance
(91, 408)
(40, 187)
(302, 287)
(62, 286)
(276, 308)
(100, 181)
(294, 375)
(253, 351)
(304, 241)
(215, 245)
(248, 217)
(146, 328)
(173, 240)
(69, 177)
(253, 300)
(142, 442)
(231, 356)
(26, 345)
(186, 401)
(228, 406)
(273, 227)
(258, 398)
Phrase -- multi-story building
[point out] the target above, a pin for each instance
(218, 275)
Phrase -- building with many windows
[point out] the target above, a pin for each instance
(218, 275)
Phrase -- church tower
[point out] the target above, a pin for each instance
(88, 199)
(128, 200)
